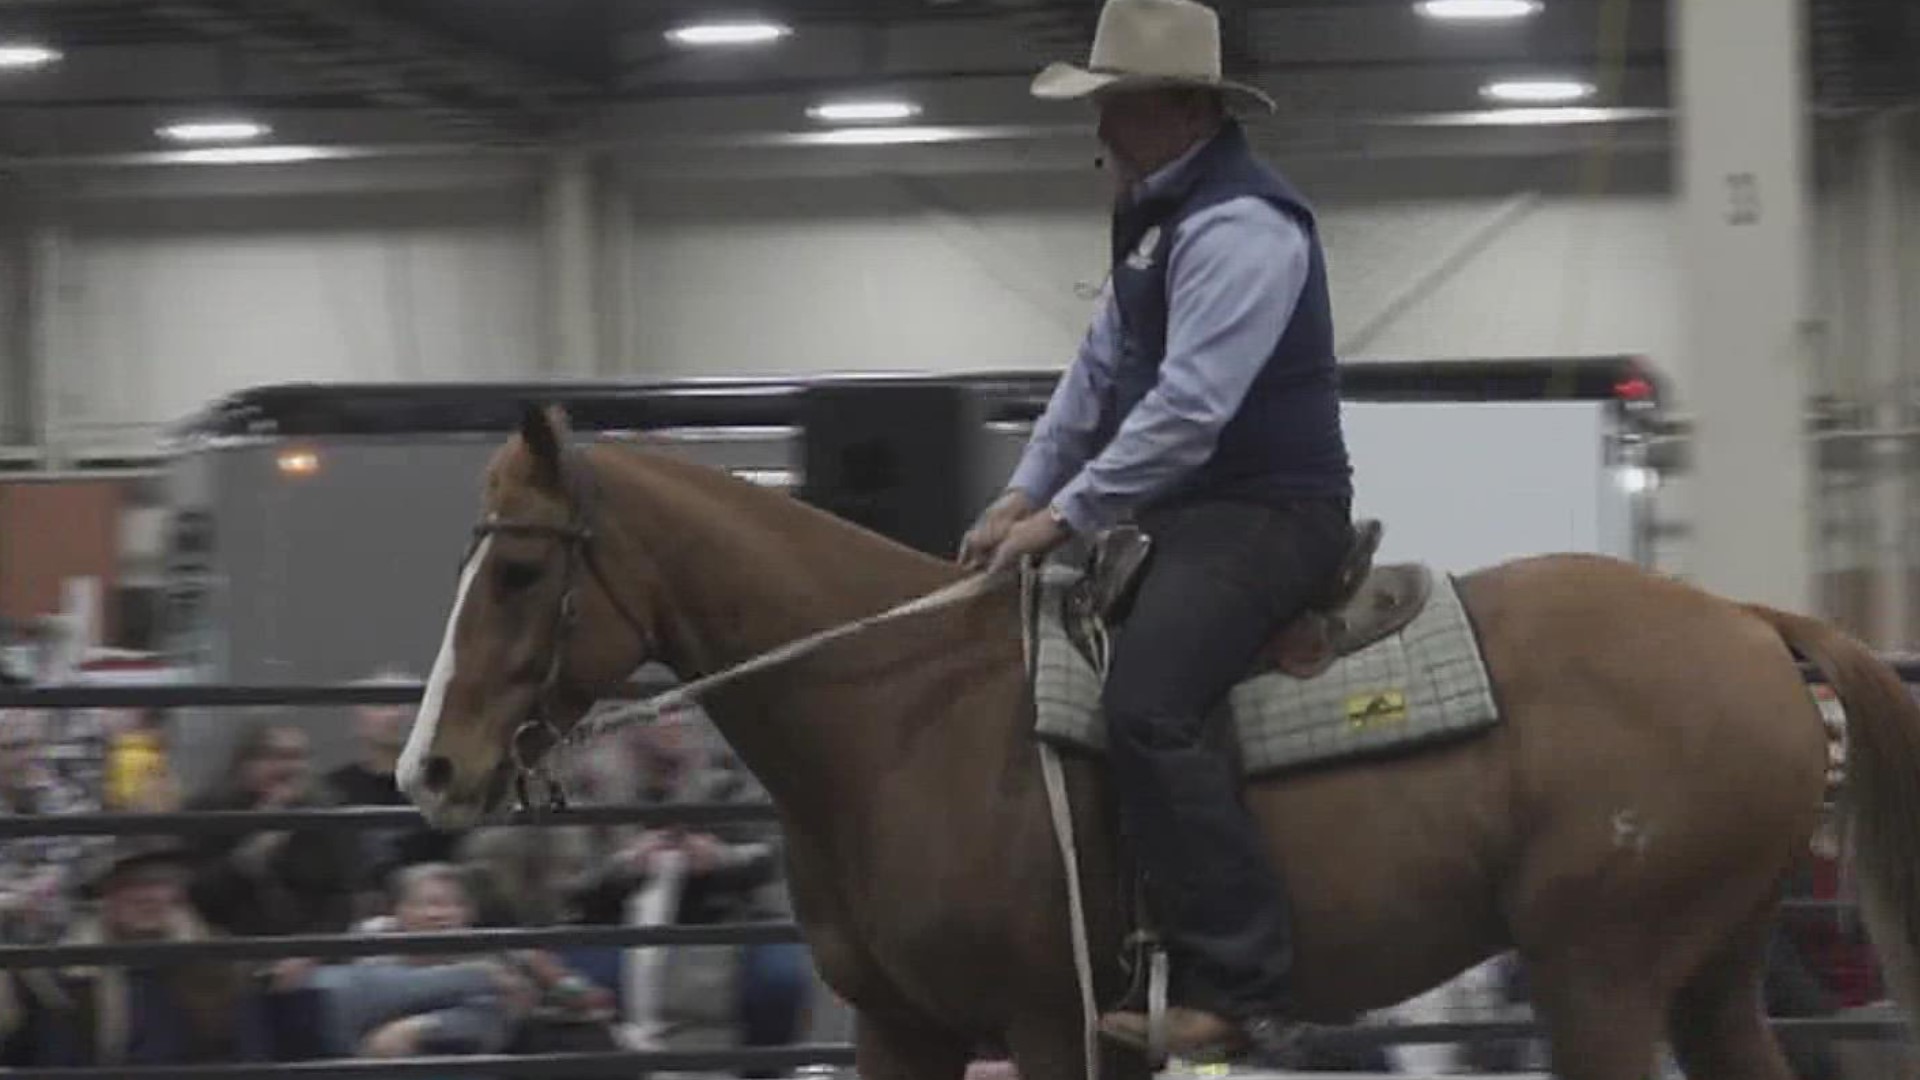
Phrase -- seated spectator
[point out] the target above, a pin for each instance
(522, 876)
(368, 780)
(107, 1015)
(726, 874)
(280, 882)
(139, 772)
(37, 873)
(414, 1004)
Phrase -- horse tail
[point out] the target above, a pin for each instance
(1880, 797)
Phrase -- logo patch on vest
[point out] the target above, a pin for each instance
(1142, 257)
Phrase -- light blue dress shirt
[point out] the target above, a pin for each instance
(1235, 272)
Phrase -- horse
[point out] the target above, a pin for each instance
(1660, 768)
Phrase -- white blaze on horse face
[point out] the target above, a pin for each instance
(433, 697)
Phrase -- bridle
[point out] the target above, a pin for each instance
(576, 538)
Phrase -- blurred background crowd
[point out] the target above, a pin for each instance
(67, 890)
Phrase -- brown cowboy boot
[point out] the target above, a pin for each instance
(1204, 1038)
(1191, 1034)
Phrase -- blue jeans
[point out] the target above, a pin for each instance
(469, 1015)
(776, 981)
(1224, 577)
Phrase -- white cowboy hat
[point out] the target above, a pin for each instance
(1143, 43)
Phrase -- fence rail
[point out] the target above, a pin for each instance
(161, 695)
(350, 818)
(222, 695)
(629, 1062)
(349, 946)
(495, 940)
(626, 1063)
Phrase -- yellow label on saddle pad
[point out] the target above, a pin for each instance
(1383, 707)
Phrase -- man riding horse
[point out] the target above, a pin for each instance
(1204, 406)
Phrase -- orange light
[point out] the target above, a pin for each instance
(298, 462)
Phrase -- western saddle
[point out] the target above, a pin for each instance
(1363, 604)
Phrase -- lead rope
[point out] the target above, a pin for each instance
(681, 697)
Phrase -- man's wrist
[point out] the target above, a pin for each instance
(1060, 519)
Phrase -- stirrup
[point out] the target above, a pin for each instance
(1144, 954)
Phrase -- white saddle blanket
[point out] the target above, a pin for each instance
(1426, 683)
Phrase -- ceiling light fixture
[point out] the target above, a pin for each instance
(251, 155)
(728, 33)
(864, 112)
(1537, 91)
(20, 55)
(214, 131)
(885, 136)
(1477, 10)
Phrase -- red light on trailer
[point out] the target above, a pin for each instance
(1633, 388)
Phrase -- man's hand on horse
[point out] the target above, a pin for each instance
(1036, 534)
(981, 541)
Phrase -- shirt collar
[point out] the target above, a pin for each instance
(1158, 181)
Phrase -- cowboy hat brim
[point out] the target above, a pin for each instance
(1061, 81)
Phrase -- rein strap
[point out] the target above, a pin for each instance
(680, 697)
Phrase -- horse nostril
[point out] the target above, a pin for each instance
(436, 774)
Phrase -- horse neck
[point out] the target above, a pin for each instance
(746, 570)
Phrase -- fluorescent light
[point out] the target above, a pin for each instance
(251, 155)
(1477, 10)
(1531, 116)
(883, 136)
(728, 33)
(214, 131)
(864, 112)
(1519, 116)
(1537, 91)
(25, 55)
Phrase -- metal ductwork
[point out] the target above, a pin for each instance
(1863, 52)
(391, 61)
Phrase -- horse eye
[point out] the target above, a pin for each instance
(515, 576)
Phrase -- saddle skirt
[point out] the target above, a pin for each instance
(1392, 665)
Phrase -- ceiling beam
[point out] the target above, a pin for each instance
(390, 63)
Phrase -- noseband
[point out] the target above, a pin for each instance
(576, 539)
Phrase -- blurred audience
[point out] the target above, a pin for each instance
(279, 882)
(139, 770)
(727, 873)
(306, 881)
(407, 1005)
(368, 780)
(522, 876)
(171, 1014)
(37, 873)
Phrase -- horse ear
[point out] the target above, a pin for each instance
(542, 430)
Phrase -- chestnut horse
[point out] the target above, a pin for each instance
(1660, 766)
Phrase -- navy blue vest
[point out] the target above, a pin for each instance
(1285, 441)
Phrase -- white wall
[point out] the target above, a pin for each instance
(169, 298)
(166, 304)
(174, 289)
(769, 276)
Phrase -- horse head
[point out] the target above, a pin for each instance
(536, 630)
